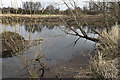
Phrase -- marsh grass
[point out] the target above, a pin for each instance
(106, 62)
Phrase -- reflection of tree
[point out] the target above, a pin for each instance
(50, 26)
(33, 27)
(50, 9)
(32, 5)
(38, 27)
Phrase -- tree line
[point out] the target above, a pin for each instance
(48, 10)
(36, 8)
(92, 9)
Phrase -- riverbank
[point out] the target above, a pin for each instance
(27, 15)
(75, 64)
(97, 20)
(20, 18)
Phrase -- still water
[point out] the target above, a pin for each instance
(56, 45)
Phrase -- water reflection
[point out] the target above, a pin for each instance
(38, 27)
(33, 27)
(50, 27)
(59, 48)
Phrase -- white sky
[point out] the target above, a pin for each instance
(18, 3)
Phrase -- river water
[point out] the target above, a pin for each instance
(56, 45)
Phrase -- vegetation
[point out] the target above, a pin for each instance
(13, 42)
(104, 63)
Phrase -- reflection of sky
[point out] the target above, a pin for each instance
(33, 30)
(57, 3)
(56, 44)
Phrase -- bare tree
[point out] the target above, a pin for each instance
(79, 25)
(32, 6)
(50, 9)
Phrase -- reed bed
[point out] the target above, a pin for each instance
(105, 64)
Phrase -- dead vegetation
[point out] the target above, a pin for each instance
(13, 42)
(106, 61)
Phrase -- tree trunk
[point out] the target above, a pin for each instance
(119, 12)
(105, 13)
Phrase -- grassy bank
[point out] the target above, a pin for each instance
(96, 20)
(27, 15)
(20, 18)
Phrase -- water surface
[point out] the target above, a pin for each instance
(56, 45)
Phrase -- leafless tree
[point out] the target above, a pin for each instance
(32, 6)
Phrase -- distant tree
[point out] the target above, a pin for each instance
(12, 10)
(50, 9)
(77, 10)
(32, 6)
(67, 11)
(5, 10)
(85, 10)
(57, 11)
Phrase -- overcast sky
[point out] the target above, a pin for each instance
(57, 3)
(18, 3)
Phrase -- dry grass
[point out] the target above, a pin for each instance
(106, 61)
(31, 15)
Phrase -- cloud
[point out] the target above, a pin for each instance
(56, 3)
